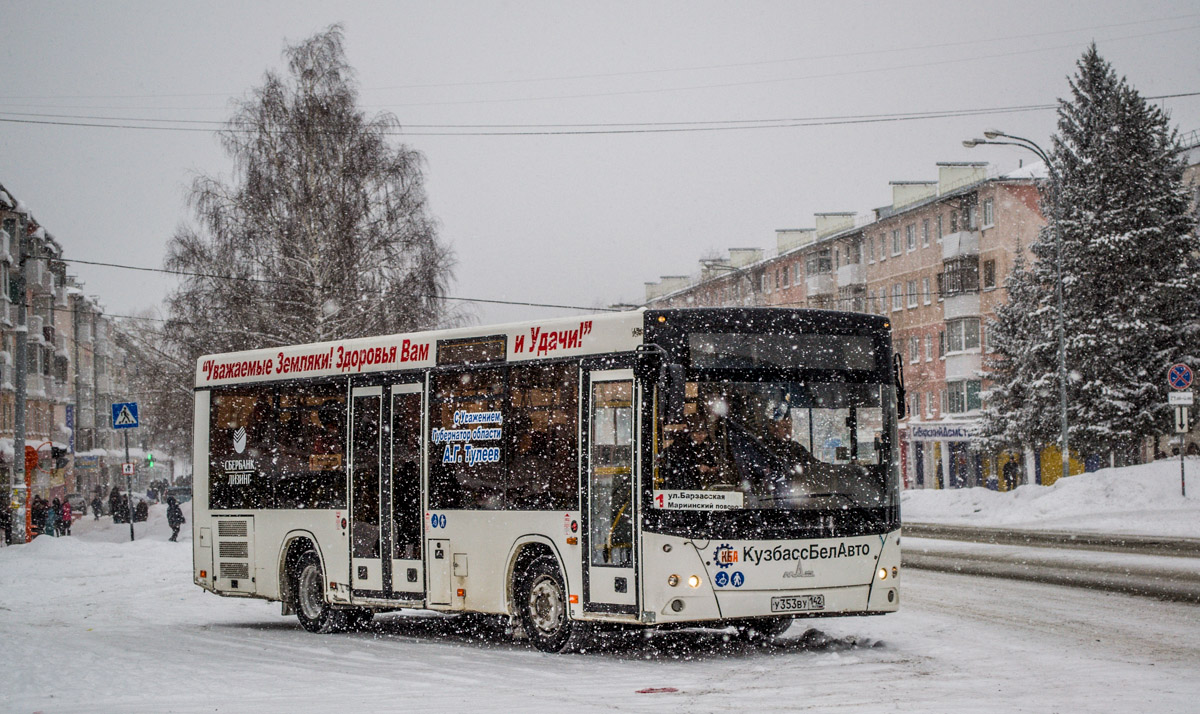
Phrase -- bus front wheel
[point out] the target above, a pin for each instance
(545, 616)
(315, 613)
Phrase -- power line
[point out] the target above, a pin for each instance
(296, 284)
(560, 129)
(974, 42)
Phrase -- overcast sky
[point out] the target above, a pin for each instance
(577, 219)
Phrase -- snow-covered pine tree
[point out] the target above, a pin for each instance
(1022, 337)
(1131, 276)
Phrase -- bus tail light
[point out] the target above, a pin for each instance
(203, 573)
(462, 592)
(574, 599)
(572, 541)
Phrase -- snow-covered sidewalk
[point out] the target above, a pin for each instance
(1142, 500)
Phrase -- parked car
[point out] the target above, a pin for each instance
(79, 503)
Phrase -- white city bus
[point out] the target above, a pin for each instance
(657, 467)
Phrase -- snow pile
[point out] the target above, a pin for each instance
(1141, 500)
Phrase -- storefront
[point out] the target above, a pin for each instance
(943, 455)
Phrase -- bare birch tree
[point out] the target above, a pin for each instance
(322, 233)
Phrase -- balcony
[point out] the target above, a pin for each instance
(963, 365)
(35, 386)
(8, 312)
(960, 245)
(60, 296)
(50, 386)
(852, 274)
(39, 278)
(34, 327)
(961, 305)
(820, 284)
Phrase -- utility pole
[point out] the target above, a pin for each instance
(22, 335)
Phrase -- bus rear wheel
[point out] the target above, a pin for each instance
(315, 613)
(544, 612)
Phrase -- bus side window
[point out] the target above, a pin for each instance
(467, 471)
(541, 438)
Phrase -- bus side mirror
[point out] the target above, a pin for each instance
(898, 375)
(671, 389)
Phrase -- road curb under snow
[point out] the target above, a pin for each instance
(1163, 568)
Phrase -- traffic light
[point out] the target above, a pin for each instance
(149, 460)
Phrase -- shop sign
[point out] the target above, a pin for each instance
(942, 432)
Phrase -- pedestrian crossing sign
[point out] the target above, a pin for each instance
(125, 415)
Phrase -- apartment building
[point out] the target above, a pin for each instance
(74, 368)
(934, 261)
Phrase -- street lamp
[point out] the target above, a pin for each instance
(991, 136)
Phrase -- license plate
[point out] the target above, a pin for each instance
(797, 603)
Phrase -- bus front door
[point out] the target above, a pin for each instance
(610, 583)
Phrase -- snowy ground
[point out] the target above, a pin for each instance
(1134, 500)
(94, 623)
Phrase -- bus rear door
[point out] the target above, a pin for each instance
(386, 443)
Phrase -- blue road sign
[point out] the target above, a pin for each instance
(1179, 376)
(125, 415)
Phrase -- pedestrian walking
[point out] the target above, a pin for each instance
(174, 517)
(37, 516)
(97, 506)
(53, 518)
(67, 514)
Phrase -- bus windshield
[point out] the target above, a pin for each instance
(778, 446)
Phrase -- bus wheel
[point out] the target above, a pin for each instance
(544, 610)
(312, 609)
(763, 629)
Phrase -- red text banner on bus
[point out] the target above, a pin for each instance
(526, 341)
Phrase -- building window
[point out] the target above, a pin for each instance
(870, 251)
(963, 396)
(910, 236)
(939, 228)
(942, 344)
(783, 277)
(954, 221)
(929, 397)
(941, 286)
(944, 404)
(820, 263)
(929, 348)
(972, 217)
(897, 297)
(914, 349)
(915, 411)
(962, 334)
(925, 233)
(925, 289)
(962, 275)
(989, 273)
(989, 215)
(895, 241)
(912, 293)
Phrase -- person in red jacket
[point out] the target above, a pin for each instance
(65, 526)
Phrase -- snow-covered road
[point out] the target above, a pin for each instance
(95, 624)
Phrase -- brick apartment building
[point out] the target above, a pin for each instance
(934, 261)
(75, 368)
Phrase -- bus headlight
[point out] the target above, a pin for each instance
(693, 581)
(672, 580)
(883, 573)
